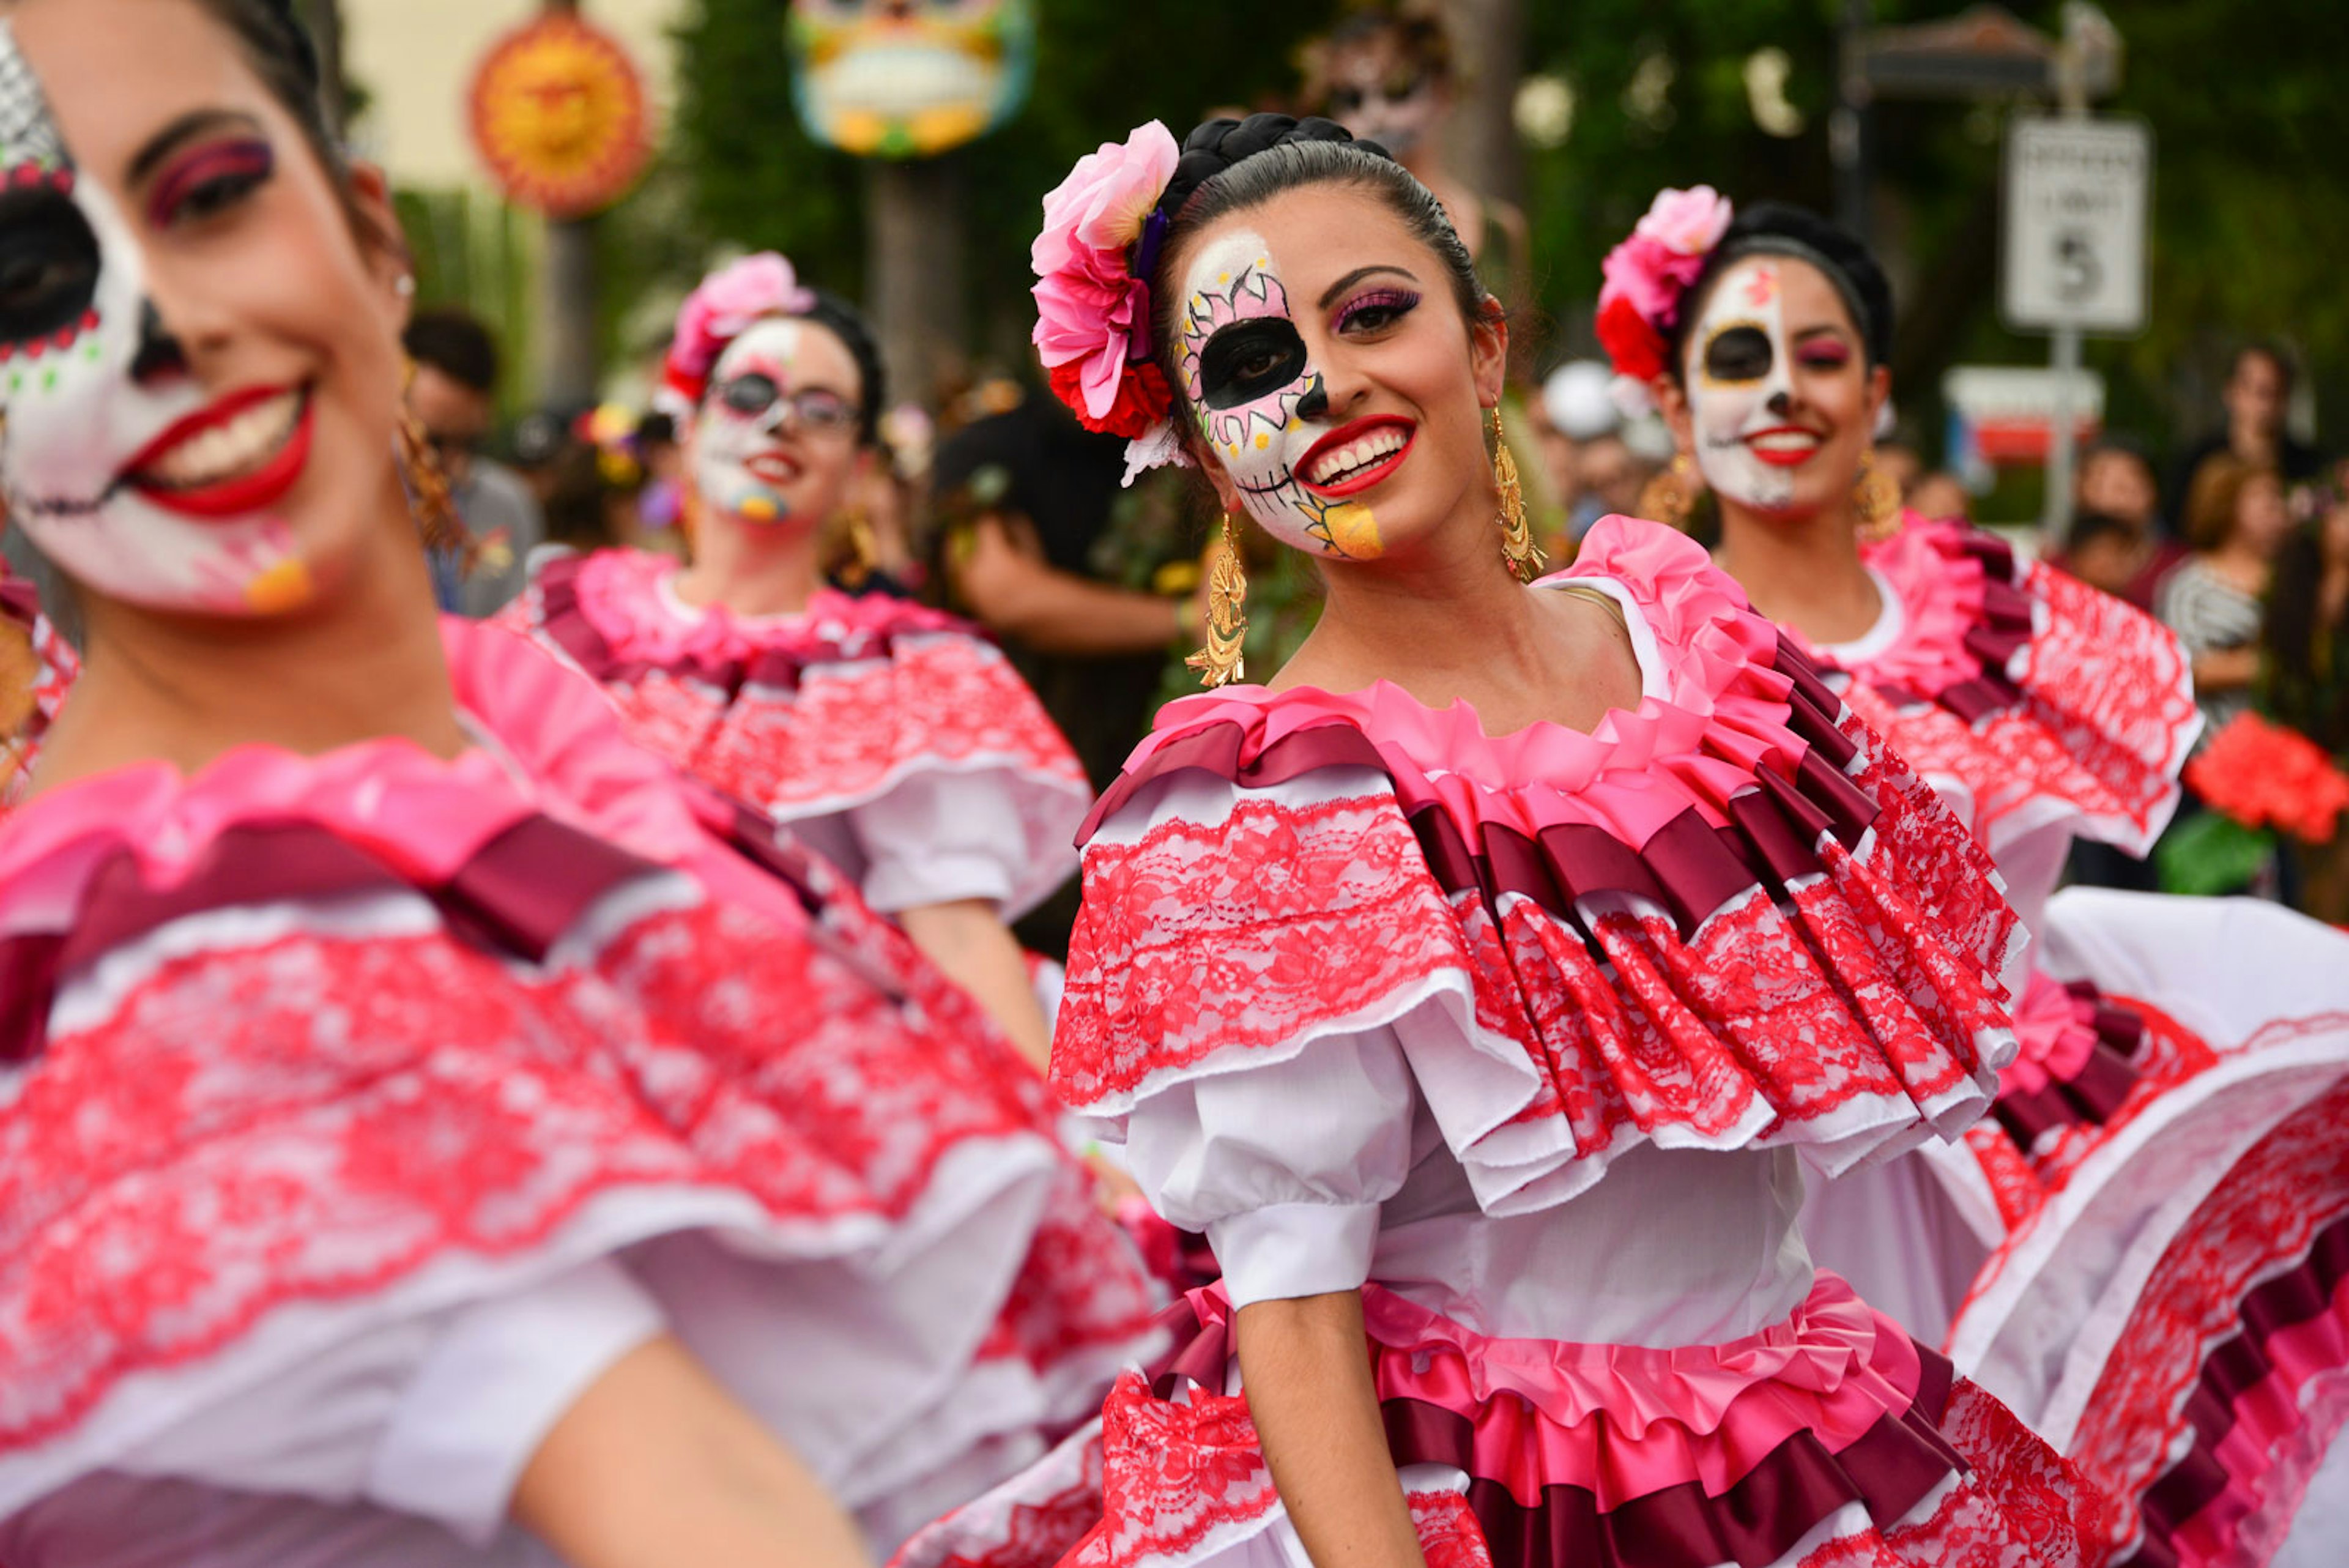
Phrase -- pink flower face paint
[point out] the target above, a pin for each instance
(1246, 373)
(117, 463)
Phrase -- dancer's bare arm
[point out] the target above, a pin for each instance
(1308, 1377)
(656, 1465)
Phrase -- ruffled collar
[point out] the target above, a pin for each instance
(1963, 625)
(1715, 706)
(423, 816)
(629, 597)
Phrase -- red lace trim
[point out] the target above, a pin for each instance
(1281, 922)
(334, 1113)
(2274, 1201)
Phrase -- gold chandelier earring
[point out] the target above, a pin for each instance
(1670, 496)
(1876, 497)
(1221, 662)
(1517, 547)
(428, 484)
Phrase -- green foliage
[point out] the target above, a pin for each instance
(1102, 66)
(2245, 102)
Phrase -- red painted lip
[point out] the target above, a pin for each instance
(772, 467)
(1792, 458)
(246, 493)
(1345, 435)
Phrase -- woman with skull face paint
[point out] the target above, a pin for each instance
(2167, 1167)
(897, 742)
(435, 1131)
(1481, 985)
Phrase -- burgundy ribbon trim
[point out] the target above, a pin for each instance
(2095, 1094)
(517, 894)
(1688, 866)
(1890, 1469)
(2229, 1371)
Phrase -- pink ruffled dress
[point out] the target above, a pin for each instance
(897, 742)
(1531, 1040)
(55, 665)
(2143, 1253)
(357, 1112)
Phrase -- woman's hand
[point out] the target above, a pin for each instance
(1306, 1368)
(967, 940)
(656, 1465)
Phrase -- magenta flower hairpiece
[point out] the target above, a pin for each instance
(722, 309)
(1092, 309)
(1646, 277)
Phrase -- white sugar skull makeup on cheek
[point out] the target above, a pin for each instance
(739, 467)
(1246, 374)
(1740, 379)
(111, 459)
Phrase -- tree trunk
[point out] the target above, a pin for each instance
(1490, 37)
(567, 367)
(914, 272)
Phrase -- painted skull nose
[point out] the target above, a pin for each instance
(1315, 403)
(1782, 402)
(160, 355)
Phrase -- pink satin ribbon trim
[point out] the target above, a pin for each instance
(1727, 715)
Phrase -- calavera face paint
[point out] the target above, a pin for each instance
(1740, 377)
(113, 459)
(741, 465)
(1245, 371)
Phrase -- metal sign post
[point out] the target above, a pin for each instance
(2077, 200)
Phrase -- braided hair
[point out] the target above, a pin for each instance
(1780, 229)
(1230, 165)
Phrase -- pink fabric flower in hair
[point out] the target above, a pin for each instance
(1645, 276)
(1092, 312)
(723, 307)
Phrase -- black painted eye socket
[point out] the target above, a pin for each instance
(1738, 354)
(749, 394)
(48, 266)
(1248, 359)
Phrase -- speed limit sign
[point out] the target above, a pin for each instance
(2076, 197)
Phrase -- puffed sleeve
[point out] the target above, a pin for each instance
(938, 837)
(434, 1415)
(1285, 1164)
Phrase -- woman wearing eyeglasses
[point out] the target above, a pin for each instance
(895, 740)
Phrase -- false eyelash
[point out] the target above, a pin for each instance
(1396, 299)
(251, 161)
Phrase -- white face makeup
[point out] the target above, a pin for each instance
(740, 465)
(112, 458)
(1740, 377)
(1245, 371)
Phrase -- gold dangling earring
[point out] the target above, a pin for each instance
(1517, 547)
(437, 518)
(1670, 496)
(1221, 662)
(1876, 496)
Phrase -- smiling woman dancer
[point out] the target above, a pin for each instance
(1482, 985)
(2144, 1251)
(431, 1131)
(897, 742)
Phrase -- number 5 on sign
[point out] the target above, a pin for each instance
(2078, 193)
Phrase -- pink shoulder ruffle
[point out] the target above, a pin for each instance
(1727, 918)
(422, 815)
(814, 714)
(483, 1005)
(2045, 700)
